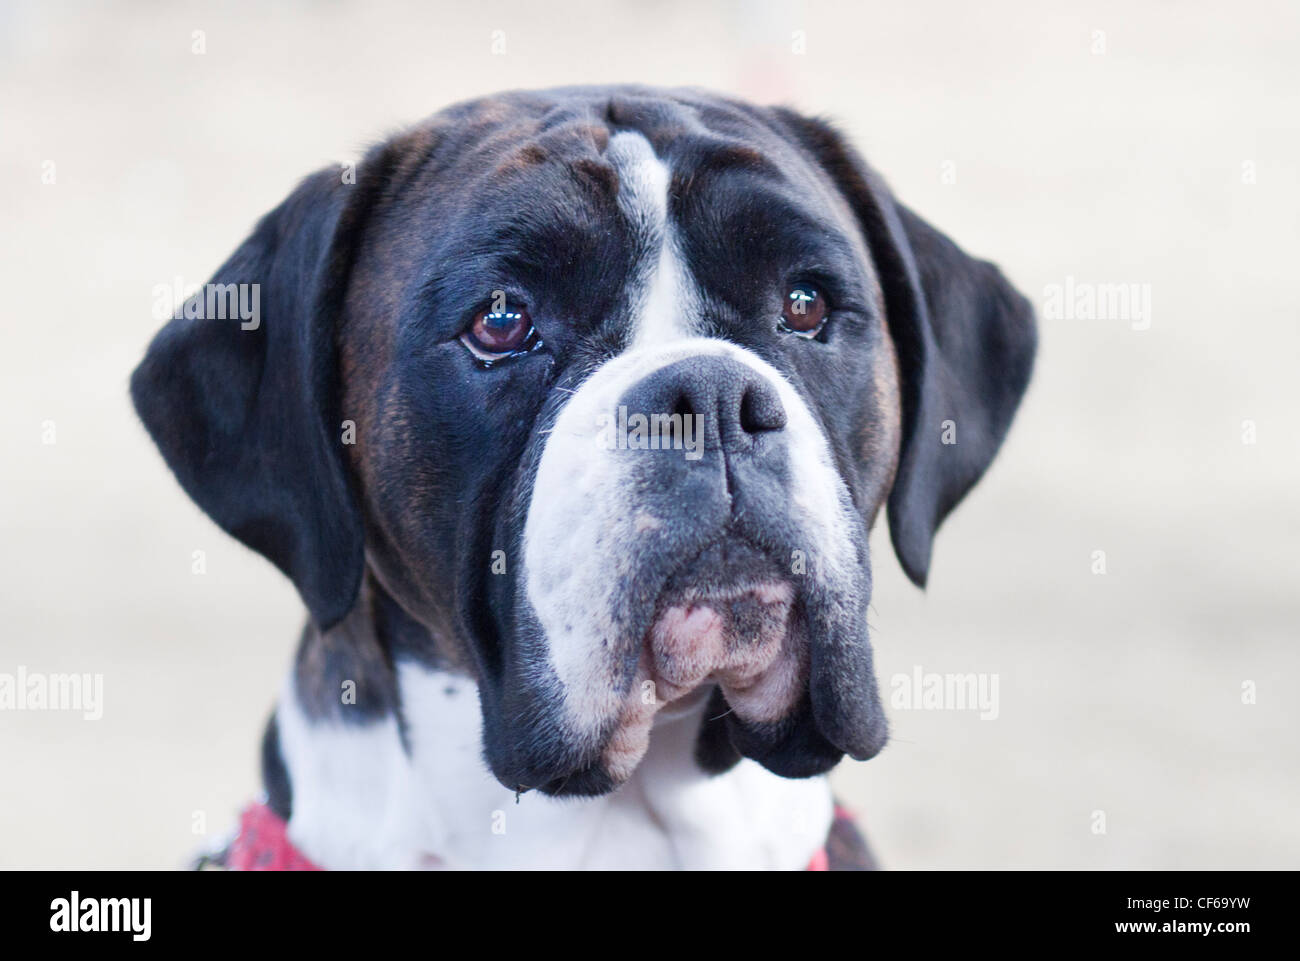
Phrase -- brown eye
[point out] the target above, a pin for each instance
(494, 334)
(804, 310)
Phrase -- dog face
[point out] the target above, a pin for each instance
(603, 389)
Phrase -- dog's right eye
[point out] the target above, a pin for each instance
(494, 335)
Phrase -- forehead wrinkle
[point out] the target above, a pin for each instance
(711, 155)
(522, 158)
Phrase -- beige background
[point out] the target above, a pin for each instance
(1118, 693)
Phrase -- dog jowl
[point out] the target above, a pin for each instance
(487, 296)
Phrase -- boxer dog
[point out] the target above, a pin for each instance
(568, 414)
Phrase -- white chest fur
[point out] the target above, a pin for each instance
(361, 801)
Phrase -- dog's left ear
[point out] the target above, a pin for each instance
(243, 403)
(965, 340)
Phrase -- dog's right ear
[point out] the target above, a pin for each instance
(239, 393)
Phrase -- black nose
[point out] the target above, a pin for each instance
(734, 402)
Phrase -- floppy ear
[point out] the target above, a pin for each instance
(243, 404)
(965, 341)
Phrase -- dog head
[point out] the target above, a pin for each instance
(604, 388)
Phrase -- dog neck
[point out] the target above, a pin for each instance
(400, 782)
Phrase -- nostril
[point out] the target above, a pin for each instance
(682, 406)
(761, 409)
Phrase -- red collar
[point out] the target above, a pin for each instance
(263, 844)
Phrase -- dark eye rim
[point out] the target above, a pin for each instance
(485, 358)
(813, 333)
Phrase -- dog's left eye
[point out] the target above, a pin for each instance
(494, 335)
(804, 310)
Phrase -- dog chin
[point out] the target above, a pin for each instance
(728, 625)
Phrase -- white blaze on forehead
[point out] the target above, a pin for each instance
(661, 289)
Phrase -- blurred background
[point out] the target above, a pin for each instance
(1143, 143)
